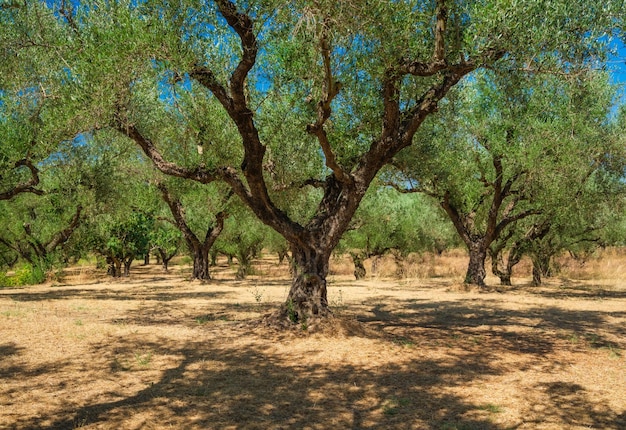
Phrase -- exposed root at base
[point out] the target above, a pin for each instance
(328, 326)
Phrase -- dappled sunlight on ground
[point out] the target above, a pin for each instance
(155, 351)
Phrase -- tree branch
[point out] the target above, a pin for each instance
(198, 174)
(26, 187)
(244, 27)
(178, 212)
(63, 236)
(330, 89)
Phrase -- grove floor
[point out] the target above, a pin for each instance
(155, 351)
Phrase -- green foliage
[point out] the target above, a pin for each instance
(165, 237)
(94, 67)
(403, 223)
(25, 274)
(243, 238)
(127, 237)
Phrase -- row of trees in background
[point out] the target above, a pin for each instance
(316, 127)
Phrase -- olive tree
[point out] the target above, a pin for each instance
(507, 148)
(188, 212)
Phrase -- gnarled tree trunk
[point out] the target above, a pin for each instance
(541, 267)
(201, 263)
(308, 294)
(476, 272)
(128, 261)
(115, 266)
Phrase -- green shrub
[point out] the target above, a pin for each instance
(5, 281)
(27, 274)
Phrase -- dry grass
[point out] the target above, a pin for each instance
(156, 352)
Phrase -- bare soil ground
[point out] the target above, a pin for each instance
(156, 351)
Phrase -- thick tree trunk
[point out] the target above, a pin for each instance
(201, 264)
(308, 295)
(499, 269)
(505, 271)
(476, 272)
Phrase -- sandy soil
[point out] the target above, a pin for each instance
(155, 351)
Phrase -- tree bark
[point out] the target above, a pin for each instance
(500, 269)
(26, 187)
(308, 294)
(541, 267)
(201, 264)
(115, 266)
(128, 261)
(346, 185)
(165, 258)
(476, 272)
(359, 268)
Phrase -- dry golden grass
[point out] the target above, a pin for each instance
(155, 351)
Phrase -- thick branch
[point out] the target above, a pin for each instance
(440, 32)
(178, 212)
(198, 174)
(244, 27)
(511, 219)
(26, 187)
(207, 78)
(456, 219)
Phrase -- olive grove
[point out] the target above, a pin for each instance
(296, 106)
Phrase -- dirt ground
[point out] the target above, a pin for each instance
(156, 351)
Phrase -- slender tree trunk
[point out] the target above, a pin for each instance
(541, 267)
(308, 294)
(282, 255)
(199, 249)
(359, 268)
(164, 258)
(245, 265)
(476, 272)
(115, 266)
(128, 261)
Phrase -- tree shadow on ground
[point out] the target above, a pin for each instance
(214, 385)
(220, 383)
(9, 349)
(164, 293)
(536, 329)
(565, 289)
(567, 404)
